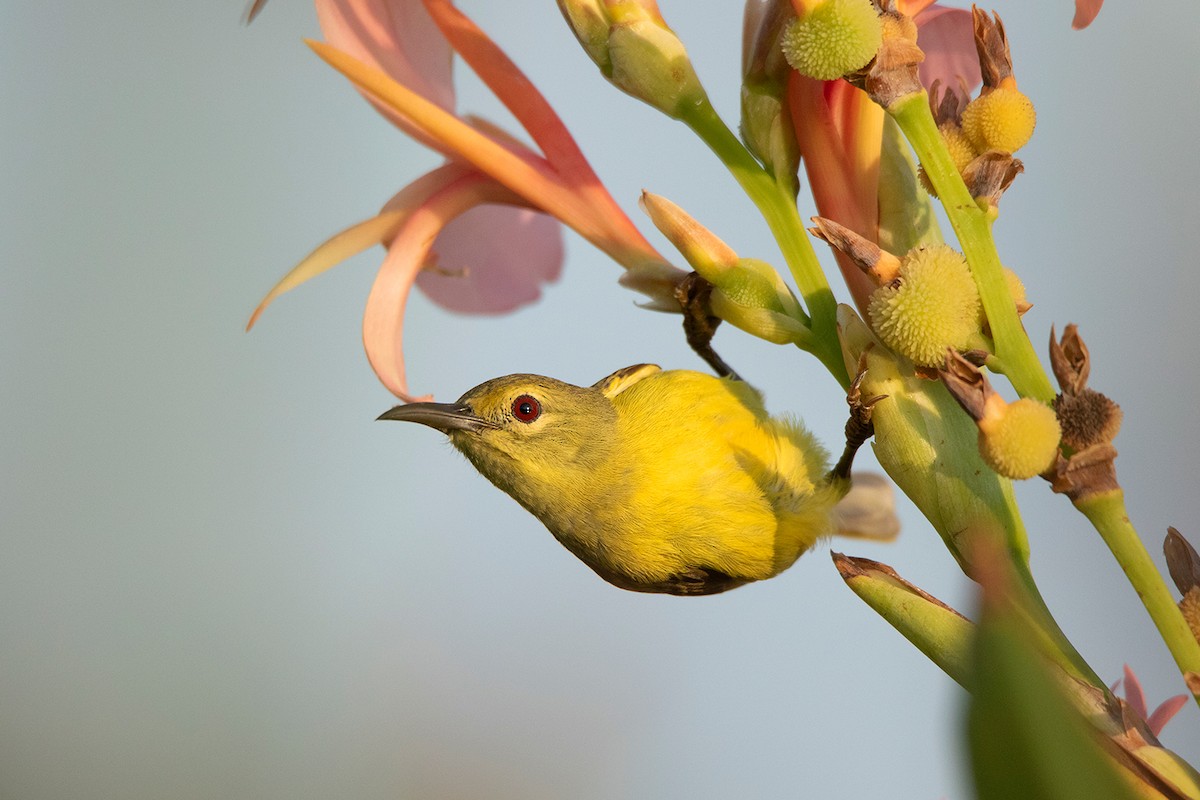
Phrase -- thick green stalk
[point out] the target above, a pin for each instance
(778, 208)
(1107, 513)
(972, 226)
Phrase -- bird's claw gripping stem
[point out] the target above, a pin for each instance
(699, 323)
(859, 427)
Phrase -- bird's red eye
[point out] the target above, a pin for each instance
(526, 408)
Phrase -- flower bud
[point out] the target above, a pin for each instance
(766, 124)
(702, 248)
(834, 38)
(589, 21)
(1018, 440)
(747, 293)
(933, 305)
(1000, 119)
(636, 51)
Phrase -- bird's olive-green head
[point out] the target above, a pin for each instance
(530, 435)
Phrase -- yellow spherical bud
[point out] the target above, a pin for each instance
(1001, 119)
(1020, 439)
(959, 146)
(931, 306)
(833, 39)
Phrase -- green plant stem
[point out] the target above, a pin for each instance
(1107, 513)
(972, 226)
(778, 208)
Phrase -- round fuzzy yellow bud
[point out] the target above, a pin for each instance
(931, 306)
(1001, 119)
(1021, 441)
(833, 39)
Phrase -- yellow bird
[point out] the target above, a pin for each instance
(660, 481)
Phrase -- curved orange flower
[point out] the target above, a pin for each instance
(457, 231)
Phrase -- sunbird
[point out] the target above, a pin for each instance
(660, 481)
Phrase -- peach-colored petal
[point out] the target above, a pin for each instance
(947, 37)
(493, 259)
(331, 252)
(408, 253)
(1085, 12)
(398, 38)
(359, 237)
(383, 320)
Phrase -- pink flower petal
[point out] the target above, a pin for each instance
(1134, 695)
(408, 253)
(1085, 12)
(383, 321)
(947, 37)
(397, 37)
(493, 259)
(1162, 715)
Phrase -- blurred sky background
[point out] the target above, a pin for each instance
(220, 577)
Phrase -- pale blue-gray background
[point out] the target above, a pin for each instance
(219, 577)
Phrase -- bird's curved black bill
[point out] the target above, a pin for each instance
(445, 417)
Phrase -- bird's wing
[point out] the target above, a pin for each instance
(622, 379)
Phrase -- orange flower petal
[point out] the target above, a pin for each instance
(512, 88)
(1085, 12)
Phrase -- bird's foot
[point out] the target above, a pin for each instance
(699, 323)
(860, 427)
